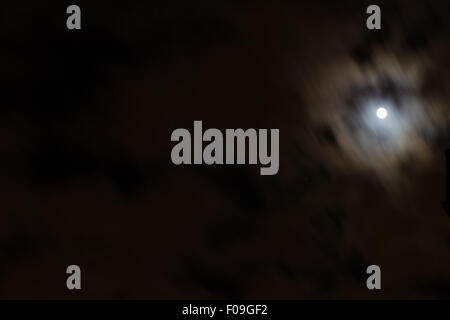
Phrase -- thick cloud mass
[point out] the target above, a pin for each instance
(85, 129)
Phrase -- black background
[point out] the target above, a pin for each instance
(86, 175)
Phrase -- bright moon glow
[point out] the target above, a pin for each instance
(382, 113)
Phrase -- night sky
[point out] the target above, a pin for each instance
(86, 176)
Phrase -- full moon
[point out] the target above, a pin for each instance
(382, 113)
